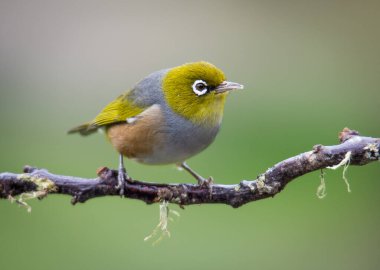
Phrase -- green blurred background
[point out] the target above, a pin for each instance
(310, 68)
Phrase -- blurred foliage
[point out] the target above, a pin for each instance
(310, 68)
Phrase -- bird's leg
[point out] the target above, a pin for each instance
(201, 180)
(122, 176)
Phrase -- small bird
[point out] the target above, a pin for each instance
(167, 117)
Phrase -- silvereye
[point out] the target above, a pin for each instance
(167, 117)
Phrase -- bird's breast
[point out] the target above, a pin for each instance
(138, 137)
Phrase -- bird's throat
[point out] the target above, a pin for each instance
(209, 112)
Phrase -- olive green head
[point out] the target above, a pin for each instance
(197, 91)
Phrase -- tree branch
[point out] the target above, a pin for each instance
(353, 148)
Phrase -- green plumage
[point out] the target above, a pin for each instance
(115, 112)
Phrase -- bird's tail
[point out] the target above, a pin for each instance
(84, 130)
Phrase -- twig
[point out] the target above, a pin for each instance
(363, 150)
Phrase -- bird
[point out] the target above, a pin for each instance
(166, 118)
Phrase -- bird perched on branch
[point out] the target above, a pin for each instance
(167, 117)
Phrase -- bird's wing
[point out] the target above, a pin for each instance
(118, 110)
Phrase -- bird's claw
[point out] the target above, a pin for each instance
(122, 177)
(207, 183)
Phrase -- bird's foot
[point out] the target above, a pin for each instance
(202, 182)
(207, 183)
(122, 177)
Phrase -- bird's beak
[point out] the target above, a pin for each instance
(228, 86)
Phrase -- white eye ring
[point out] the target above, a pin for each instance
(199, 92)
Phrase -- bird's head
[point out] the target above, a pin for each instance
(197, 91)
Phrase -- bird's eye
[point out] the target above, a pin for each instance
(200, 87)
